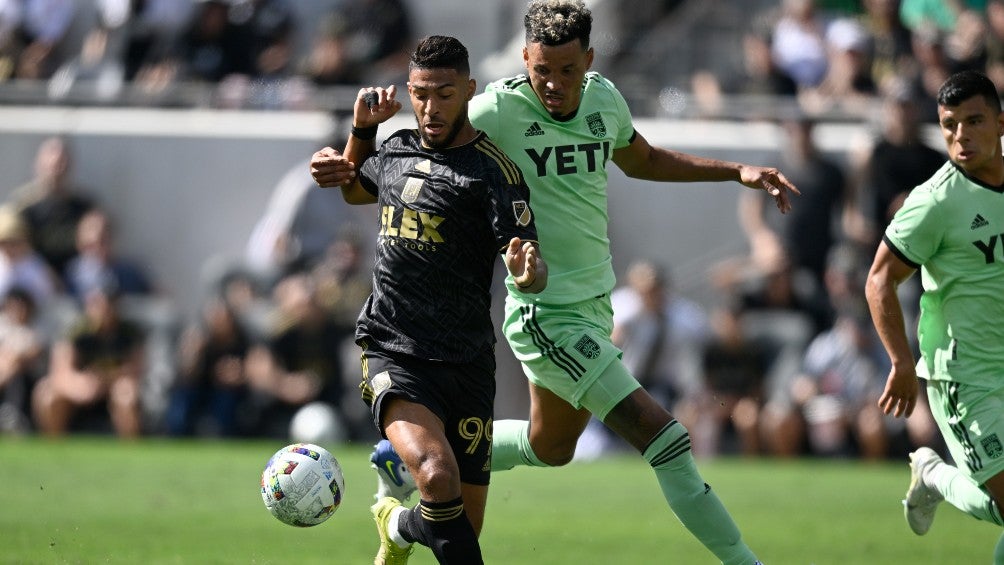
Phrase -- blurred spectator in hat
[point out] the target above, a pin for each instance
(848, 83)
(20, 265)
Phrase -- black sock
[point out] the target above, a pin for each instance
(444, 528)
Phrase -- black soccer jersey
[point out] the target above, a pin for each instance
(445, 215)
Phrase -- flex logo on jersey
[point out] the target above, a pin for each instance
(571, 159)
(411, 224)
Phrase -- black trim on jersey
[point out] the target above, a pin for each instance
(895, 251)
(634, 134)
(976, 181)
(515, 82)
(548, 348)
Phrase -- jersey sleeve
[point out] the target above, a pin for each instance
(369, 174)
(625, 130)
(483, 111)
(371, 169)
(509, 199)
(916, 231)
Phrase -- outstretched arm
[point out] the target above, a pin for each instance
(528, 269)
(886, 274)
(333, 169)
(643, 161)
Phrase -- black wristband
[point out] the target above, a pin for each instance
(364, 134)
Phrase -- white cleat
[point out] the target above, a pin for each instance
(921, 500)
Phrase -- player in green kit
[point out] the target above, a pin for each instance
(562, 125)
(951, 229)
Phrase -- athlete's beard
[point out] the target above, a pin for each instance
(451, 133)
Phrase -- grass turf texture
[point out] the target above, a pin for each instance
(96, 500)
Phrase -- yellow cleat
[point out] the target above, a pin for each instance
(390, 553)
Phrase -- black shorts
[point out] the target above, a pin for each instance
(461, 395)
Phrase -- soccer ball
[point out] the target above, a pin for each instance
(302, 484)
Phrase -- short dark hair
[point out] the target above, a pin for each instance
(556, 22)
(963, 85)
(440, 52)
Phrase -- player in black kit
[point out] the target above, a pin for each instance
(450, 202)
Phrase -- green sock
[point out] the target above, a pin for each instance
(691, 499)
(511, 445)
(962, 492)
(999, 551)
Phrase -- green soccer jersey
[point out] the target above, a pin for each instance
(952, 228)
(564, 163)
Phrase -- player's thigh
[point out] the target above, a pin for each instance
(562, 348)
(554, 423)
(418, 436)
(971, 420)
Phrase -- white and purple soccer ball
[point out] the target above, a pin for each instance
(302, 484)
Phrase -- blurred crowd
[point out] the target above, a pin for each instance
(784, 362)
(831, 56)
(249, 53)
(89, 343)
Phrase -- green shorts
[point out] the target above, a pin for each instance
(971, 419)
(566, 348)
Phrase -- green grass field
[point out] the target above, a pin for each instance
(95, 500)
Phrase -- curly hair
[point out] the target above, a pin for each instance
(556, 22)
(440, 52)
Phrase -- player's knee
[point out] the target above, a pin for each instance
(436, 481)
(556, 455)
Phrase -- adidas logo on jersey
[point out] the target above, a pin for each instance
(533, 130)
(979, 222)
